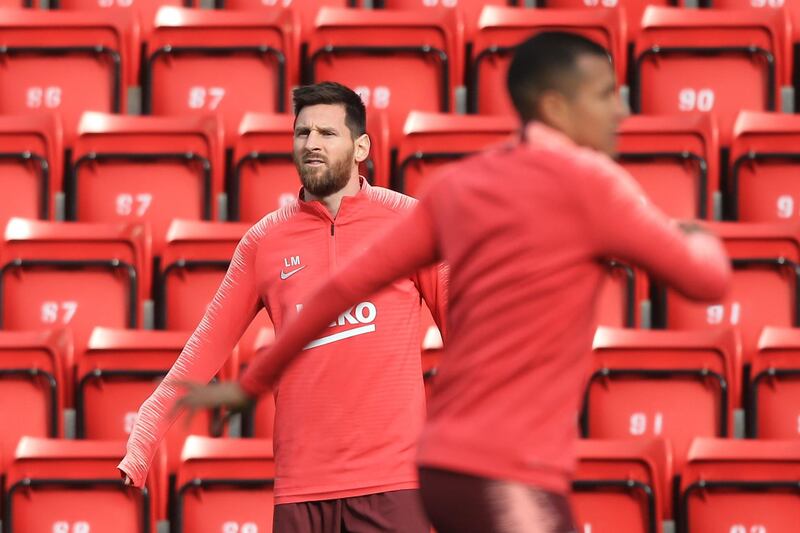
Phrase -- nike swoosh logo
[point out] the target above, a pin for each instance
(287, 275)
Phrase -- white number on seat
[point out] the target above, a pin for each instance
(77, 527)
(130, 421)
(638, 424)
(695, 100)
(271, 3)
(740, 528)
(235, 527)
(785, 206)
(767, 3)
(205, 97)
(715, 314)
(138, 204)
(379, 97)
(62, 312)
(604, 3)
(43, 97)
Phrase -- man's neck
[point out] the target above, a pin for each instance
(334, 201)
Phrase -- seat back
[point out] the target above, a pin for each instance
(773, 410)
(66, 62)
(764, 159)
(661, 384)
(707, 60)
(622, 485)
(431, 141)
(623, 291)
(395, 60)
(633, 9)
(501, 29)
(225, 485)
(195, 260)
(740, 485)
(31, 165)
(676, 161)
(764, 287)
(225, 62)
(470, 9)
(118, 372)
(146, 170)
(75, 275)
(34, 367)
(71, 486)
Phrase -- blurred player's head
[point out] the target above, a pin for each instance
(330, 138)
(567, 82)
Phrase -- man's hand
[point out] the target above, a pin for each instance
(691, 227)
(228, 394)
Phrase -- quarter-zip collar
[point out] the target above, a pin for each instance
(348, 206)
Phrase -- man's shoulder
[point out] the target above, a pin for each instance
(273, 221)
(390, 200)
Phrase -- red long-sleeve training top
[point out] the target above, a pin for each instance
(349, 412)
(522, 228)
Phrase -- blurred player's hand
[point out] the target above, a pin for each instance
(215, 395)
(691, 227)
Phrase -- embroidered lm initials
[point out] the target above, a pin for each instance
(292, 263)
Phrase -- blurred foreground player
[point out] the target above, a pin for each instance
(348, 414)
(524, 229)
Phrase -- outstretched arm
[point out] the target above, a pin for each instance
(233, 308)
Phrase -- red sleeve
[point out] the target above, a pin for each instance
(405, 248)
(233, 308)
(624, 225)
(432, 285)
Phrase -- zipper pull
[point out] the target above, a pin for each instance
(332, 226)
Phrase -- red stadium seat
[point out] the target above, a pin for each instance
(33, 372)
(741, 486)
(117, 373)
(225, 485)
(765, 284)
(66, 62)
(144, 10)
(764, 162)
(676, 161)
(305, 11)
(31, 165)
(662, 384)
(226, 62)
(791, 7)
(470, 9)
(432, 140)
(622, 485)
(689, 61)
(621, 297)
(774, 390)
(633, 9)
(396, 60)
(500, 29)
(73, 486)
(76, 275)
(146, 169)
(194, 262)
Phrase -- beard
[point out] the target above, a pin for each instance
(327, 179)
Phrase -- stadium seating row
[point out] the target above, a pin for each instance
(157, 169)
(226, 485)
(232, 62)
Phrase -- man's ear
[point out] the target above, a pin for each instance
(361, 150)
(552, 109)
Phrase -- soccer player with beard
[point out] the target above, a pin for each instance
(349, 412)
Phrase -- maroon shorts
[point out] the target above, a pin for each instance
(460, 503)
(398, 511)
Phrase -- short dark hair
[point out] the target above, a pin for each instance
(542, 63)
(332, 93)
